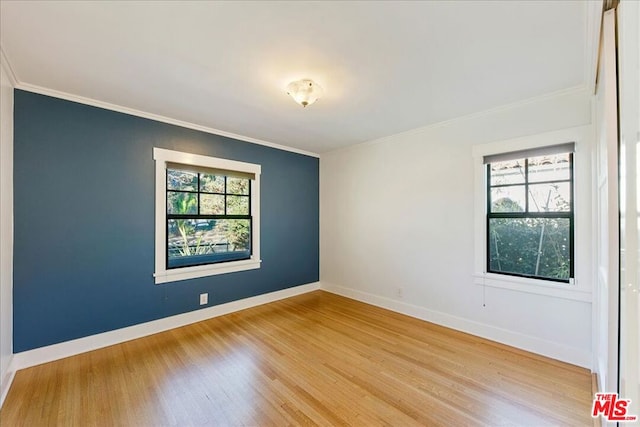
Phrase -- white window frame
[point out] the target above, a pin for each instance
(164, 275)
(579, 288)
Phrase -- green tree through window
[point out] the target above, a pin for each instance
(530, 217)
(208, 218)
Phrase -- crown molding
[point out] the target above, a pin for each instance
(7, 68)
(563, 92)
(16, 83)
(133, 112)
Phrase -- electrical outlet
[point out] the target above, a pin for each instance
(204, 299)
(399, 292)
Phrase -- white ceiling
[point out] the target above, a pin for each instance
(386, 67)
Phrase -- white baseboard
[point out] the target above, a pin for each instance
(550, 349)
(53, 352)
(5, 381)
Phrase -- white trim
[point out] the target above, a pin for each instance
(592, 42)
(536, 345)
(5, 383)
(158, 118)
(594, 252)
(7, 68)
(628, 15)
(205, 161)
(185, 273)
(574, 134)
(580, 289)
(164, 275)
(532, 286)
(53, 352)
(6, 227)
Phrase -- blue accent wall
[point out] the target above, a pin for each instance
(84, 221)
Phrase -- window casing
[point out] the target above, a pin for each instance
(530, 214)
(207, 216)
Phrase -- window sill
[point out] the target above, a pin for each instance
(568, 291)
(185, 273)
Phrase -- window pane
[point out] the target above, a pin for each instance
(211, 204)
(198, 241)
(211, 183)
(182, 203)
(509, 172)
(237, 186)
(182, 180)
(549, 168)
(508, 199)
(530, 246)
(550, 197)
(237, 205)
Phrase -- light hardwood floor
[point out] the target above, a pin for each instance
(314, 359)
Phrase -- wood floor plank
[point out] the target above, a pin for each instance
(317, 359)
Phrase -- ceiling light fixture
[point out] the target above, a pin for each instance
(304, 92)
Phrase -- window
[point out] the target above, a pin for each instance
(530, 213)
(207, 216)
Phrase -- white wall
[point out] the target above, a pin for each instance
(397, 229)
(6, 228)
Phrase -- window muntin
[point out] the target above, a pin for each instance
(530, 217)
(208, 218)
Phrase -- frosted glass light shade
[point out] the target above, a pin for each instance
(304, 92)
